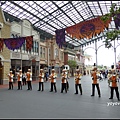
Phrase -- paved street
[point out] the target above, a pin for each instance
(36, 104)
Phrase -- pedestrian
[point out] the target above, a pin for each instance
(19, 79)
(67, 80)
(41, 80)
(24, 78)
(95, 82)
(52, 79)
(78, 77)
(46, 76)
(10, 76)
(113, 85)
(64, 81)
(29, 79)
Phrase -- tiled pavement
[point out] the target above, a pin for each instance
(50, 105)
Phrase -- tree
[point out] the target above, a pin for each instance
(113, 34)
(72, 64)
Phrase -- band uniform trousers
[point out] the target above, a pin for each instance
(53, 85)
(41, 86)
(112, 92)
(93, 89)
(76, 88)
(29, 85)
(10, 85)
(19, 85)
(64, 86)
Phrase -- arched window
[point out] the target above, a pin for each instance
(56, 52)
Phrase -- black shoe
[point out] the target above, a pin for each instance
(61, 92)
(110, 98)
(75, 93)
(99, 95)
(38, 90)
(50, 91)
(118, 99)
(28, 89)
(18, 89)
(9, 89)
(81, 93)
(92, 95)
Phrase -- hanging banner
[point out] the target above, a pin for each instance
(14, 43)
(1, 44)
(29, 43)
(88, 29)
(60, 37)
(117, 21)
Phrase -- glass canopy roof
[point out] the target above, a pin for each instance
(52, 15)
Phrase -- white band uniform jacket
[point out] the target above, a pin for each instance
(113, 83)
(10, 77)
(41, 77)
(95, 77)
(78, 78)
(53, 77)
(19, 77)
(29, 76)
(64, 78)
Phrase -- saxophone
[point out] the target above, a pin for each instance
(28, 76)
(63, 77)
(40, 76)
(51, 77)
(77, 79)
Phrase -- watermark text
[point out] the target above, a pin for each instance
(113, 103)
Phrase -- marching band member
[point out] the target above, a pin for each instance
(10, 75)
(41, 80)
(78, 77)
(29, 79)
(52, 79)
(109, 76)
(113, 85)
(19, 79)
(95, 82)
(64, 81)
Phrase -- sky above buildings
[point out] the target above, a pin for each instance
(105, 56)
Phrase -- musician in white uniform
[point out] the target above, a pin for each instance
(52, 79)
(10, 75)
(19, 79)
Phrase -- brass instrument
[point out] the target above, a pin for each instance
(9, 76)
(77, 79)
(51, 78)
(63, 77)
(28, 76)
(40, 76)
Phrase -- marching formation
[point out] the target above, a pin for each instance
(26, 79)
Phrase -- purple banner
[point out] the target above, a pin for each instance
(117, 21)
(60, 37)
(14, 43)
